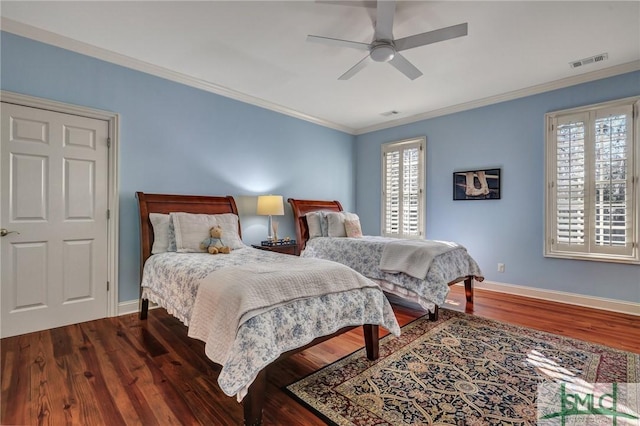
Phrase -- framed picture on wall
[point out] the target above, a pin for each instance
(476, 185)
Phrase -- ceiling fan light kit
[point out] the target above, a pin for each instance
(383, 52)
(385, 49)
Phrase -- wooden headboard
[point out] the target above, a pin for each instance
(163, 203)
(302, 207)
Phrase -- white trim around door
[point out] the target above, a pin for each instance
(113, 183)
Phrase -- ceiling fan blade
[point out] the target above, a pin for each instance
(431, 37)
(369, 5)
(405, 67)
(384, 19)
(338, 42)
(356, 68)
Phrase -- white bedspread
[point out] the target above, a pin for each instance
(229, 297)
(413, 257)
(172, 280)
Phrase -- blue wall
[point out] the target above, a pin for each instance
(178, 139)
(509, 135)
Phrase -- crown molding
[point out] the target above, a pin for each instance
(521, 93)
(47, 37)
(67, 43)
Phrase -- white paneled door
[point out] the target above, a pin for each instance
(54, 254)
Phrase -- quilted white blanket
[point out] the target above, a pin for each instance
(230, 296)
(413, 257)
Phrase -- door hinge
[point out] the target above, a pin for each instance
(107, 285)
(108, 142)
(108, 214)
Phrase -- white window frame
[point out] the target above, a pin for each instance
(589, 250)
(401, 147)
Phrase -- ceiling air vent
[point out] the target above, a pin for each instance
(390, 113)
(586, 61)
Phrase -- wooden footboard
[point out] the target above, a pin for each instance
(253, 402)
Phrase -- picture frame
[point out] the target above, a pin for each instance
(482, 184)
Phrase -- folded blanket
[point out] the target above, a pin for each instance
(230, 296)
(413, 257)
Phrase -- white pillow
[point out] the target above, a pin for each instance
(313, 223)
(160, 223)
(230, 236)
(335, 222)
(192, 229)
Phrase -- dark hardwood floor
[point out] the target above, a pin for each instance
(123, 371)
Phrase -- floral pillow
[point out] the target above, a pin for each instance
(353, 228)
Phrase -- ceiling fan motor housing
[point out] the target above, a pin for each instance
(383, 51)
(385, 48)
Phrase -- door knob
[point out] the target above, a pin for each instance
(4, 232)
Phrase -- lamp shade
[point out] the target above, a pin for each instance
(270, 205)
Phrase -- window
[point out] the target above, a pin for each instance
(403, 188)
(592, 189)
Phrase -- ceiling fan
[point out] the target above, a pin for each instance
(384, 48)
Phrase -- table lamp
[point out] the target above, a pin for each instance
(271, 205)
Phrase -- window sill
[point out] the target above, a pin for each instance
(630, 260)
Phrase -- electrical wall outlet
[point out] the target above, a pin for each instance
(500, 267)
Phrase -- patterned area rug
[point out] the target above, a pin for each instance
(459, 370)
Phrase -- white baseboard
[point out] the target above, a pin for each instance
(561, 297)
(132, 307)
(128, 307)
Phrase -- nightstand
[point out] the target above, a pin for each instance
(286, 248)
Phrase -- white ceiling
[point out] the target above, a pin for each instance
(256, 51)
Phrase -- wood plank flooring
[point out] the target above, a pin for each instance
(123, 371)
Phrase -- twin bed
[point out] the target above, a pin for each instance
(252, 307)
(426, 286)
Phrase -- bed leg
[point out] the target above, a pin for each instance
(144, 308)
(371, 341)
(254, 400)
(468, 289)
(433, 316)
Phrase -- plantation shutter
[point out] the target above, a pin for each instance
(571, 185)
(392, 193)
(592, 202)
(613, 181)
(402, 189)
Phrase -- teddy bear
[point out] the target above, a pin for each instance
(214, 244)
